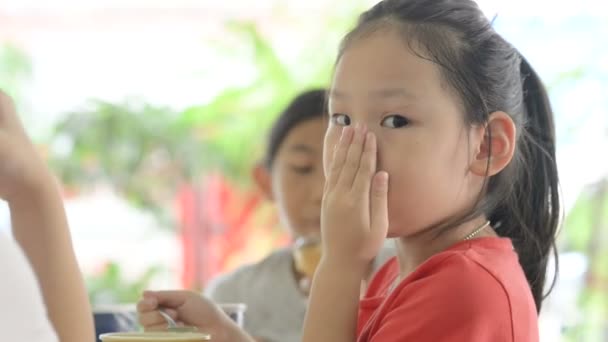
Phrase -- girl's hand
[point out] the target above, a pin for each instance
(354, 214)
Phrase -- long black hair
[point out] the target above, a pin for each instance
(522, 201)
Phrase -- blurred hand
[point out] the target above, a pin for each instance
(187, 308)
(22, 169)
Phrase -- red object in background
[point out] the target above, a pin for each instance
(186, 203)
(216, 223)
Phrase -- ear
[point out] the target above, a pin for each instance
(495, 145)
(261, 176)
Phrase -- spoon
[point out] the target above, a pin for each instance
(172, 325)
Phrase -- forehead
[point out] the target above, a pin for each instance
(383, 60)
(309, 132)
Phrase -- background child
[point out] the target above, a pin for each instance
(291, 175)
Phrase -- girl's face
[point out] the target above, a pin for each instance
(297, 178)
(423, 142)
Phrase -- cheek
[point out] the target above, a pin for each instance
(331, 139)
(287, 197)
(392, 155)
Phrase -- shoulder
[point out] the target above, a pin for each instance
(230, 286)
(457, 280)
(470, 302)
(468, 290)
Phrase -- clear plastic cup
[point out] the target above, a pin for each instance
(236, 311)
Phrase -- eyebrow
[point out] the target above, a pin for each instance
(382, 93)
(301, 148)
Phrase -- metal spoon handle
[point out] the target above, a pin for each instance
(172, 325)
(170, 322)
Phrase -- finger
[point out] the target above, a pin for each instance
(6, 104)
(168, 299)
(367, 166)
(147, 304)
(353, 159)
(7, 110)
(379, 215)
(339, 156)
(379, 206)
(172, 313)
(151, 318)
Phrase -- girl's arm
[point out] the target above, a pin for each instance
(334, 304)
(354, 224)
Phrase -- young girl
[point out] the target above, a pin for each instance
(276, 289)
(441, 136)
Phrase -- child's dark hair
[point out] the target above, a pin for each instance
(306, 106)
(489, 74)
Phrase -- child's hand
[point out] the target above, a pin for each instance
(354, 217)
(188, 308)
(22, 169)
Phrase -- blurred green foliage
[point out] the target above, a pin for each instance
(111, 287)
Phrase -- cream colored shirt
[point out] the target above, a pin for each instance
(23, 315)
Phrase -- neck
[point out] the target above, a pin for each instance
(415, 249)
(304, 282)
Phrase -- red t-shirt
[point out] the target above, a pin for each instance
(474, 291)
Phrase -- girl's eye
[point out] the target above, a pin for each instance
(340, 119)
(301, 169)
(395, 121)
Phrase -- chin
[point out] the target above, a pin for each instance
(393, 234)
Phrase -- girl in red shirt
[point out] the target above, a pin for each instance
(441, 136)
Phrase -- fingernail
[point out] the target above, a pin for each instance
(383, 178)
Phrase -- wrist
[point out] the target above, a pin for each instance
(226, 330)
(346, 268)
(34, 192)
